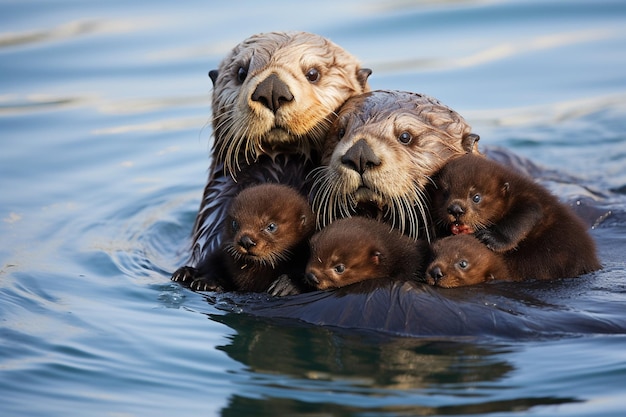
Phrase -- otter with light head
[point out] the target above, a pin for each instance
(380, 155)
(275, 96)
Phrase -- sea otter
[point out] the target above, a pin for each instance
(356, 249)
(265, 236)
(380, 154)
(462, 260)
(274, 99)
(538, 236)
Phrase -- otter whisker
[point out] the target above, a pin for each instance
(421, 206)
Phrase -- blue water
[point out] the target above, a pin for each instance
(104, 133)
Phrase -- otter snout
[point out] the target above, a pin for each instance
(246, 242)
(311, 279)
(360, 157)
(456, 210)
(434, 274)
(272, 92)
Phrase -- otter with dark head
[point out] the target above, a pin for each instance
(274, 99)
(464, 260)
(380, 154)
(265, 236)
(538, 236)
(357, 249)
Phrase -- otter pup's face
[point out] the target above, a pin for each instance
(471, 195)
(463, 260)
(381, 152)
(277, 92)
(265, 222)
(344, 253)
(334, 266)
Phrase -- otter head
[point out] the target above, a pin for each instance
(277, 92)
(265, 222)
(381, 152)
(471, 194)
(463, 260)
(345, 253)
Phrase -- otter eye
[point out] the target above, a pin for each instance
(463, 264)
(271, 228)
(405, 138)
(476, 199)
(242, 73)
(234, 225)
(313, 75)
(339, 268)
(341, 132)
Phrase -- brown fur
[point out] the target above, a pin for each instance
(357, 249)
(265, 236)
(538, 236)
(274, 98)
(464, 260)
(380, 154)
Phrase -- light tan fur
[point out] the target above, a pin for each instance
(245, 128)
(396, 186)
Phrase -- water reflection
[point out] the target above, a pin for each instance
(305, 370)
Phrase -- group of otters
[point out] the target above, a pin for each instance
(317, 182)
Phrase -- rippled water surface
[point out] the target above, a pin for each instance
(104, 126)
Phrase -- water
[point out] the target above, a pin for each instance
(104, 124)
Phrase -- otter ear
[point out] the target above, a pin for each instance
(303, 220)
(362, 75)
(505, 188)
(376, 255)
(213, 75)
(470, 143)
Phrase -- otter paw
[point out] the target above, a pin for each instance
(282, 286)
(492, 240)
(205, 284)
(184, 275)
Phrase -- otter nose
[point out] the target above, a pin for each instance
(311, 279)
(456, 210)
(360, 157)
(435, 273)
(246, 242)
(272, 92)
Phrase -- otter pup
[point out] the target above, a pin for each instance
(274, 98)
(538, 236)
(356, 249)
(380, 154)
(463, 260)
(265, 236)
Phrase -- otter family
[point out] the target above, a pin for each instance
(316, 182)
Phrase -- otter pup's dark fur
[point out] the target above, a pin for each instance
(356, 249)
(463, 260)
(539, 237)
(265, 235)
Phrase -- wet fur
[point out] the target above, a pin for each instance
(274, 252)
(392, 186)
(364, 249)
(255, 144)
(464, 260)
(538, 236)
